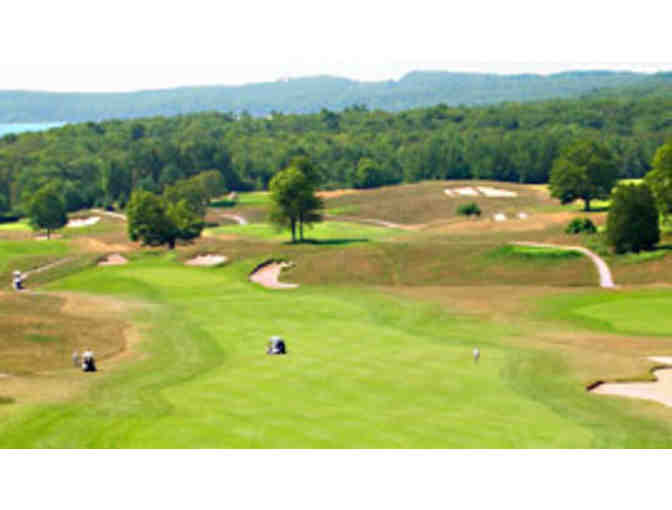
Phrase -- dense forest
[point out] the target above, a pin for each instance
(310, 95)
(100, 163)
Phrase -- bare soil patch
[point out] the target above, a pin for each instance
(97, 245)
(336, 193)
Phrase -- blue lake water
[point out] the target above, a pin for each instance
(6, 129)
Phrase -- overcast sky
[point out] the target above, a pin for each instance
(105, 45)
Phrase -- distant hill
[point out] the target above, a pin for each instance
(309, 95)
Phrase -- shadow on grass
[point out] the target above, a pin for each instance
(224, 203)
(330, 242)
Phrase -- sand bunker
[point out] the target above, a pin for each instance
(496, 193)
(485, 191)
(83, 222)
(465, 192)
(267, 276)
(113, 260)
(499, 217)
(659, 390)
(206, 260)
(522, 216)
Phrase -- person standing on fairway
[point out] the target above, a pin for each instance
(17, 282)
(477, 354)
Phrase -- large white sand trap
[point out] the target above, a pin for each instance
(449, 192)
(83, 222)
(659, 390)
(267, 276)
(496, 193)
(207, 260)
(499, 217)
(115, 259)
(466, 192)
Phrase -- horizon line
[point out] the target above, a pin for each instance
(288, 78)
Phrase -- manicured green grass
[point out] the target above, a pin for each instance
(23, 254)
(644, 256)
(254, 198)
(16, 226)
(649, 315)
(363, 370)
(534, 253)
(331, 232)
(640, 312)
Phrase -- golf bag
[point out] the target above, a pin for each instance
(88, 364)
(276, 346)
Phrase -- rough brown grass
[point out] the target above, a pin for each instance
(40, 332)
(426, 202)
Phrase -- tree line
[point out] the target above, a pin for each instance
(103, 163)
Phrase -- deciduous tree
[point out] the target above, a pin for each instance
(47, 209)
(294, 202)
(632, 223)
(659, 179)
(585, 171)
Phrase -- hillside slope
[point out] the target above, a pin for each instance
(311, 94)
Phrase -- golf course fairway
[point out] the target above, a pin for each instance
(365, 369)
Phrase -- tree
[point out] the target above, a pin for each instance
(585, 171)
(470, 209)
(368, 174)
(155, 221)
(47, 209)
(294, 202)
(581, 226)
(192, 192)
(659, 179)
(632, 222)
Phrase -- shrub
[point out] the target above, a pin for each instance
(581, 226)
(632, 222)
(470, 209)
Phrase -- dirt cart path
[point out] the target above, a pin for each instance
(111, 214)
(606, 278)
(236, 217)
